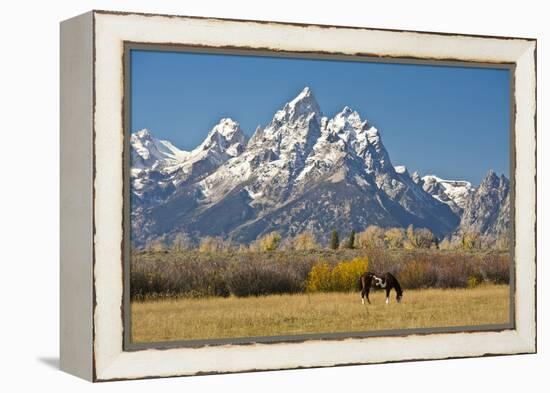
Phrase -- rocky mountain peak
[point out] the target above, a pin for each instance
(302, 171)
(487, 211)
(148, 151)
(225, 137)
(416, 178)
(302, 108)
(491, 180)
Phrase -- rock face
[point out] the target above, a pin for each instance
(487, 211)
(301, 172)
(454, 193)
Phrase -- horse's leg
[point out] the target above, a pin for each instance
(388, 295)
(363, 296)
(367, 291)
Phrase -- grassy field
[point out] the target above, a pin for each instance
(215, 317)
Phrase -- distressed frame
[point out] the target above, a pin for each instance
(127, 130)
(95, 349)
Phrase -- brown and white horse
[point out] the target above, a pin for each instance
(385, 281)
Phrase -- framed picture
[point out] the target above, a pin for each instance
(248, 195)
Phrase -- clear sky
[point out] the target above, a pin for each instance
(448, 121)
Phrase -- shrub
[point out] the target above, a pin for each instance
(343, 277)
(473, 282)
(454, 272)
(156, 245)
(319, 278)
(262, 279)
(211, 244)
(419, 238)
(445, 244)
(181, 242)
(372, 237)
(424, 238)
(193, 273)
(394, 238)
(304, 241)
(503, 242)
(157, 277)
(471, 241)
(495, 267)
(269, 242)
(418, 274)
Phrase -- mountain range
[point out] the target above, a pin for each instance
(301, 172)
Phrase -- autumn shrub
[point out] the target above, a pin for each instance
(343, 277)
(319, 278)
(453, 272)
(394, 238)
(242, 272)
(495, 268)
(372, 237)
(157, 277)
(262, 278)
(473, 282)
(418, 274)
(268, 242)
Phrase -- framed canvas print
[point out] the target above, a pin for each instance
(247, 195)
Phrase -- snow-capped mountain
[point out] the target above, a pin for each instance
(454, 193)
(301, 172)
(159, 168)
(487, 211)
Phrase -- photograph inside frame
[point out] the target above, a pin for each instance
(285, 196)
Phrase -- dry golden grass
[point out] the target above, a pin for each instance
(188, 319)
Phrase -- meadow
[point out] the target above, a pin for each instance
(167, 319)
(192, 294)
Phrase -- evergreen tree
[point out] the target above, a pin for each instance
(334, 240)
(351, 240)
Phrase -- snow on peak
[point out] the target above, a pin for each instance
(224, 135)
(142, 134)
(147, 151)
(305, 94)
(303, 106)
(350, 116)
(454, 193)
(346, 110)
(401, 169)
(416, 177)
(346, 120)
(226, 127)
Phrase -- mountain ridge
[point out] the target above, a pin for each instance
(301, 172)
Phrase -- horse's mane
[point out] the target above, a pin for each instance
(396, 284)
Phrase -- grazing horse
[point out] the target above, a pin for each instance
(385, 281)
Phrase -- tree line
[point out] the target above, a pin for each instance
(373, 237)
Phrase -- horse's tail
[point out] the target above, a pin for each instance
(396, 285)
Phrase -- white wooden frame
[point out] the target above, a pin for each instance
(92, 194)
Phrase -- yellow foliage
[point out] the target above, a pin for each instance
(471, 240)
(269, 242)
(214, 244)
(473, 282)
(318, 279)
(305, 241)
(394, 237)
(343, 277)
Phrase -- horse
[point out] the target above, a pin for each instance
(385, 281)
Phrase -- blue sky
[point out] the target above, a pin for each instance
(449, 121)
